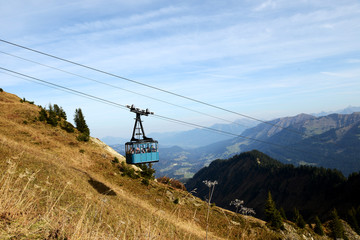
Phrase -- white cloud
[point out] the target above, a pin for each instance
(119, 22)
(353, 60)
(265, 5)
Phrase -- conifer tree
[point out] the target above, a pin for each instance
(351, 219)
(51, 119)
(81, 125)
(80, 122)
(318, 227)
(63, 114)
(282, 213)
(298, 219)
(336, 225)
(42, 115)
(272, 214)
(59, 112)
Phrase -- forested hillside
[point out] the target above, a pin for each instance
(251, 175)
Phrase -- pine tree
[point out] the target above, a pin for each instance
(336, 225)
(318, 227)
(301, 222)
(81, 125)
(59, 112)
(63, 114)
(42, 115)
(80, 122)
(283, 214)
(298, 219)
(272, 214)
(51, 119)
(351, 219)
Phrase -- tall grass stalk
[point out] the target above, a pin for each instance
(211, 186)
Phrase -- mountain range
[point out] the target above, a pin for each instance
(196, 138)
(192, 138)
(330, 141)
(348, 110)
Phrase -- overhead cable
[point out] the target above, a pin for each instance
(123, 89)
(92, 97)
(152, 87)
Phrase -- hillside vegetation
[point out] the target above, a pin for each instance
(313, 191)
(53, 186)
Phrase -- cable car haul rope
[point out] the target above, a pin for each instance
(143, 150)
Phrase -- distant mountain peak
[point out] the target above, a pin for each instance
(348, 110)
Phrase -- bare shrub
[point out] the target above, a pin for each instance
(172, 182)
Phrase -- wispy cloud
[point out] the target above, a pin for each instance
(265, 5)
(120, 22)
(353, 60)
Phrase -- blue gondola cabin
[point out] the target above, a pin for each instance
(141, 149)
(141, 152)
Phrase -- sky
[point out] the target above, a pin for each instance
(262, 58)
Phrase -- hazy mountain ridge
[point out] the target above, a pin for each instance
(348, 110)
(328, 141)
(198, 138)
(192, 138)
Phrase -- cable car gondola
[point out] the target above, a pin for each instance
(141, 149)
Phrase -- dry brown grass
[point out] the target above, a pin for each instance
(52, 188)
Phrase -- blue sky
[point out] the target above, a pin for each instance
(266, 58)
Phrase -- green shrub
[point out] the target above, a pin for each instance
(68, 127)
(83, 137)
(127, 171)
(52, 121)
(145, 181)
(318, 227)
(1, 90)
(115, 160)
(42, 115)
(147, 171)
(26, 101)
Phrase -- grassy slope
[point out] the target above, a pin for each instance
(52, 187)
